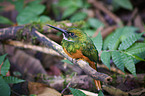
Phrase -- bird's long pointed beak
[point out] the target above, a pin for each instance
(59, 29)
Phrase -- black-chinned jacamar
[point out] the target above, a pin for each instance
(78, 45)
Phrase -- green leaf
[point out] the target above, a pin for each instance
(66, 3)
(95, 23)
(79, 3)
(77, 92)
(128, 63)
(78, 16)
(100, 93)
(124, 3)
(136, 48)
(36, 9)
(67, 61)
(34, 2)
(2, 58)
(135, 56)
(12, 80)
(4, 20)
(69, 11)
(89, 32)
(115, 40)
(30, 14)
(19, 4)
(98, 41)
(25, 18)
(44, 18)
(129, 41)
(120, 35)
(116, 56)
(105, 58)
(106, 41)
(127, 31)
(5, 67)
(4, 88)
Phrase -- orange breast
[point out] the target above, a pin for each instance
(79, 55)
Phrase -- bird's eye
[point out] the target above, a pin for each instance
(72, 34)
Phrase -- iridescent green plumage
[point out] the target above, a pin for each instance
(80, 41)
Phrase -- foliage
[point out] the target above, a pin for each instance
(4, 20)
(98, 41)
(77, 92)
(72, 8)
(122, 47)
(5, 80)
(67, 61)
(100, 93)
(122, 3)
(27, 13)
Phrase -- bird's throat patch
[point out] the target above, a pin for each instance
(65, 38)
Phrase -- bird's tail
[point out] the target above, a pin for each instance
(97, 82)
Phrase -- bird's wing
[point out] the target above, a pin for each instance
(89, 50)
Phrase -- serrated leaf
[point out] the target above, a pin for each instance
(69, 11)
(67, 61)
(5, 67)
(115, 40)
(127, 31)
(128, 63)
(105, 58)
(100, 93)
(95, 23)
(116, 56)
(106, 41)
(98, 41)
(136, 48)
(4, 20)
(120, 35)
(4, 88)
(135, 56)
(124, 3)
(12, 80)
(89, 32)
(76, 92)
(2, 58)
(78, 16)
(129, 41)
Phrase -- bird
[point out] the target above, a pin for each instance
(77, 45)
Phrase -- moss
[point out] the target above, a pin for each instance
(114, 77)
(19, 34)
(34, 39)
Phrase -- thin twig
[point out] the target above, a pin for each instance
(99, 6)
(134, 13)
(101, 17)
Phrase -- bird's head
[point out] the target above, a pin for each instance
(71, 34)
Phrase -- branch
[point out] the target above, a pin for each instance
(32, 47)
(99, 6)
(13, 31)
